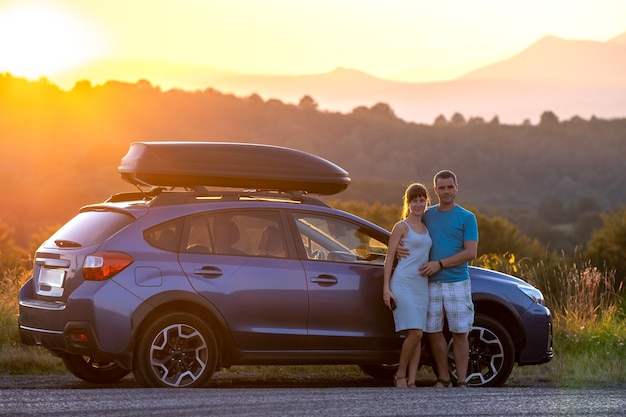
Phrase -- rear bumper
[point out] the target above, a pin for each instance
(68, 328)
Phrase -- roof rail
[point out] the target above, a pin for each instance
(190, 193)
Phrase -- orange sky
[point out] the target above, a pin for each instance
(414, 40)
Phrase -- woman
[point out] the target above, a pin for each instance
(406, 292)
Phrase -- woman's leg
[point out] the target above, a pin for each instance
(407, 368)
(414, 361)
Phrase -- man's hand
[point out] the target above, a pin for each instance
(401, 251)
(429, 268)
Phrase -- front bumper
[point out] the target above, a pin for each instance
(537, 322)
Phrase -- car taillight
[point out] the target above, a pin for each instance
(104, 265)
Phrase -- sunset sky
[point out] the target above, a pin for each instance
(383, 38)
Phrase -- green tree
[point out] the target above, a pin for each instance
(383, 109)
(499, 236)
(440, 121)
(585, 225)
(607, 244)
(495, 121)
(384, 215)
(457, 120)
(552, 211)
(548, 118)
(307, 103)
(476, 121)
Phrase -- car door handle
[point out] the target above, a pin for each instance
(209, 272)
(325, 280)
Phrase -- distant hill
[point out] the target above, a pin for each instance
(569, 77)
(621, 39)
(563, 63)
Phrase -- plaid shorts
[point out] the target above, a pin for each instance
(451, 300)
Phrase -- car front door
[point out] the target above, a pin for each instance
(343, 262)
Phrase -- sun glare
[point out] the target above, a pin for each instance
(40, 40)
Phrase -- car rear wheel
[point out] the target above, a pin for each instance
(94, 371)
(177, 350)
(491, 354)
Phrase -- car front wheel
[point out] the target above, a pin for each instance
(491, 354)
(177, 350)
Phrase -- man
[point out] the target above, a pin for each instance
(454, 233)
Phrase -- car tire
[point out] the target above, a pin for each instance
(90, 370)
(491, 356)
(177, 350)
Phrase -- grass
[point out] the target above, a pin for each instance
(589, 334)
(587, 306)
(16, 358)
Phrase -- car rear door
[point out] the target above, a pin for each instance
(258, 288)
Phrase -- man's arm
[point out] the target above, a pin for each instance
(401, 251)
(469, 252)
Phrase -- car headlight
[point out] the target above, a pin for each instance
(532, 293)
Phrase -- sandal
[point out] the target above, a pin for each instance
(462, 384)
(445, 382)
(397, 378)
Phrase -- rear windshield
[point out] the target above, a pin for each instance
(89, 228)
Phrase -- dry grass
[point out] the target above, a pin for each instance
(15, 358)
(588, 317)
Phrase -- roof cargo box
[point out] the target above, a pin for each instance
(227, 164)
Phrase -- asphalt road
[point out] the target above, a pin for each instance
(64, 395)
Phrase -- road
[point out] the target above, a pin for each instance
(63, 395)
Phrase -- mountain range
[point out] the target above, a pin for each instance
(567, 77)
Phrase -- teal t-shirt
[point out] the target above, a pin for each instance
(449, 231)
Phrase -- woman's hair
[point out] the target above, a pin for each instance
(413, 191)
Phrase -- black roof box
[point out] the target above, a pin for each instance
(228, 164)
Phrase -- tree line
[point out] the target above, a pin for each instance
(554, 181)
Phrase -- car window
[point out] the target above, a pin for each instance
(243, 233)
(333, 239)
(164, 236)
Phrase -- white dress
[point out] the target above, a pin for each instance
(408, 286)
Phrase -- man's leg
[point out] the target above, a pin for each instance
(460, 313)
(460, 349)
(439, 348)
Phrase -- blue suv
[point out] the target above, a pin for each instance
(223, 258)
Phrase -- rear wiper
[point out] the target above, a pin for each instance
(67, 244)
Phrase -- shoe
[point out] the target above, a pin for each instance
(445, 382)
(462, 384)
(411, 385)
(397, 378)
